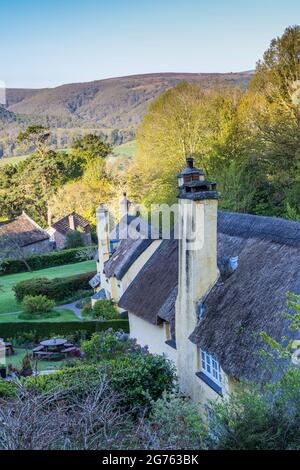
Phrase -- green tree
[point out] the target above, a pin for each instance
(35, 138)
(90, 147)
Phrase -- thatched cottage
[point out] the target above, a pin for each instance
(204, 305)
(22, 236)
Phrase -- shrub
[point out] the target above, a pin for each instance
(37, 304)
(110, 343)
(42, 330)
(139, 379)
(87, 311)
(56, 289)
(42, 261)
(144, 378)
(79, 378)
(7, 389)
(174, 423)
(74, 239)
(105, 310)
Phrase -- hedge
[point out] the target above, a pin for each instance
(45, 329)
(56, 289)
(42, 261)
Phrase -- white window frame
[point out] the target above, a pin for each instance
(210, 367)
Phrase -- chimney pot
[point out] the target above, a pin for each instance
(190, 162)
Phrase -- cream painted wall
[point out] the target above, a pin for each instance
(152, 335)
(114, 287)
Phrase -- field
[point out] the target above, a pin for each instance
(7, 300)
(12, 160)
(124, 150)
(127, 150)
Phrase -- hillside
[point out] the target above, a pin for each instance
(103, 105)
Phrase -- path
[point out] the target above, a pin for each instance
(72, 306)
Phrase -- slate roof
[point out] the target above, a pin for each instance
(63, 225)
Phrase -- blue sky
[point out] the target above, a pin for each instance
(48, 43)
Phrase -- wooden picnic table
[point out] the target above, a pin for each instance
(53, 348)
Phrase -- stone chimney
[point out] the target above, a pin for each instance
(198, 271)
(49, 217)
(72, 222)
(102, 217)
(124, 205)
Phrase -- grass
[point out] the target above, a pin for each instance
(64, 315)
(16, 361)
(128, 149)
(8, 302)
(12, 160)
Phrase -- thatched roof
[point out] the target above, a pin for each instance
(130, 248)
(63, 225)
(24, 229)
(242, 304)
(151, 288)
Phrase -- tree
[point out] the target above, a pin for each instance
(182, 121)
(11, 246)
(35, 138)
(90, 147)
(74, 239)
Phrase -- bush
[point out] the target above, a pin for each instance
(80, 379)
(74, 239)
(56, 289)
(7, 389)
(105, 310)
(37, 304)
(174, 423)
(110, 343)
(138, 378)
(87, 311)
(142, 377)
(42, 330)
(42, 261)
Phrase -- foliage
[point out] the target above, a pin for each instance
(246, 141)
(82, 197)
(35, 138)
(143, 377)
(37, 304)
(42, 330)
(91, 147)
(56, 289)
(110, 343)
(12, 243)
(105, 310)
(7, 389)
(174, 423)
(47, 260)
(74, 239)
(30, 184)
(259, 418)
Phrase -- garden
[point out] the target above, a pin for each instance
(9, 303)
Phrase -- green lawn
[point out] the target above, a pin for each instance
(7, 299)
(16, 361)
(65, 315)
